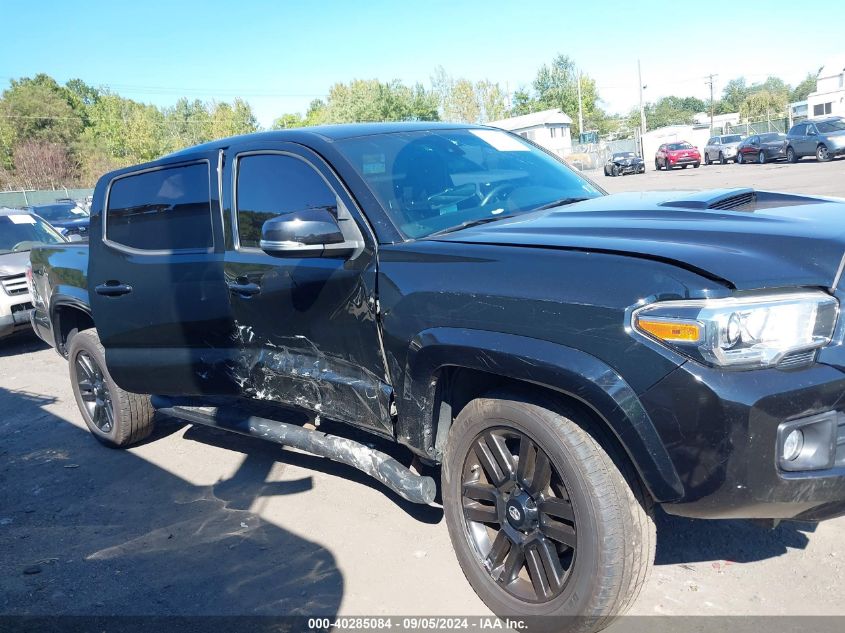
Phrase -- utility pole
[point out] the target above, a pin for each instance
(642, 109)
(709, 82)
(580, 110)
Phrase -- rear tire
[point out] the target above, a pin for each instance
(115, 417)
(591, 486)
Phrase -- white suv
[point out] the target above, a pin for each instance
(721, 149)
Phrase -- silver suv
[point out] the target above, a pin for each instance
(19, 230)
(822, 138)
(721, 149)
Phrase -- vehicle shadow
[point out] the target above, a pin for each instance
(681, 540)
(21, 343)
(90, 531)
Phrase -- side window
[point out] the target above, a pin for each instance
(274, 184)
(164, 209)
(811, 129)
(798, 130)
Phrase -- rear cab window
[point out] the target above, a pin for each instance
(163, 209)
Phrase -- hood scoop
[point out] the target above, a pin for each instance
(718, 199)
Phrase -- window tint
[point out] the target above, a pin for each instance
(797, 130)
(275, 184)
(165, 209)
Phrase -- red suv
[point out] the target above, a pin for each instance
(670, 155)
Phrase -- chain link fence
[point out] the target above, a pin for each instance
(27, 197)
(594, 155)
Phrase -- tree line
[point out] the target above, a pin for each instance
(54, 134)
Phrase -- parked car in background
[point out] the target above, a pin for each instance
(721, 149)
(680, 154)
(67, 217)
(621, 163)
(19, 232)
(822, 138)
(762, 148)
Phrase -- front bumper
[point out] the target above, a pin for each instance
(689, 160)
(631, 169)
(720, 429)
(16, 321)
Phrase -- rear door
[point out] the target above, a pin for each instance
(307, 327)
(156, 281)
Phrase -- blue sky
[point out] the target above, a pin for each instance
(281, 55)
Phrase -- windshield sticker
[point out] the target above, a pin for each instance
(21, 219)
(373, 164)
(501, 141)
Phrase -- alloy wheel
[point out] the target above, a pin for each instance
(94, 391)
(822, 153)
(518, 515)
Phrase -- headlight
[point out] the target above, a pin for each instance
(741, 332)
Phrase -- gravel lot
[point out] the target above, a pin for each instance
(201, 522)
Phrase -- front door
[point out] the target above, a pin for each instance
(155, 279)
(306, 327)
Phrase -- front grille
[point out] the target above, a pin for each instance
(15, 285)
(734, 202)
(22, 307)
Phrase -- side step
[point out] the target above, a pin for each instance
(408, 485)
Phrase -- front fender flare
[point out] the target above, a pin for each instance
(564, 369)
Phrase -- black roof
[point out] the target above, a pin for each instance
(326, 133)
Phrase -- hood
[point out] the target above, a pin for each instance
(763, 240)
(13, 263)
(69, 222)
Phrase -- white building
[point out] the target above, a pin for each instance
(549, 128)
(719, 120)
(829, 97)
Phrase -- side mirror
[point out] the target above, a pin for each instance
(306, 233)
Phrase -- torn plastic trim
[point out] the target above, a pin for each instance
(380, 466)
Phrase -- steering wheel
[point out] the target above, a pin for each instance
(496, 192)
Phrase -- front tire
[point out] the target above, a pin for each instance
(545, 519)
(822, 154)
(614, 171)
(115, 417)
(722, 160)
(791, 156)
(761, 158)
(707, 158)
(739, 159)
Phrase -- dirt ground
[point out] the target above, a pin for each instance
(196, 521)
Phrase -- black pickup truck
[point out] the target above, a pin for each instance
(568, 358)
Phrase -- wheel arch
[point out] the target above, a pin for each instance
(68, 313)
(448, 367)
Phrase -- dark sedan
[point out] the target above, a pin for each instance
(762, 148)
(621, 163)
(67, 218)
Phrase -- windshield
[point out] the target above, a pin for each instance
(20, 232)
(677, 146)
(768, 138)
(61, 211)
(826, 127)
(623, 155)
(431, 181)
(733, 138)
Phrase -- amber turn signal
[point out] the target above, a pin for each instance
(671, 331)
